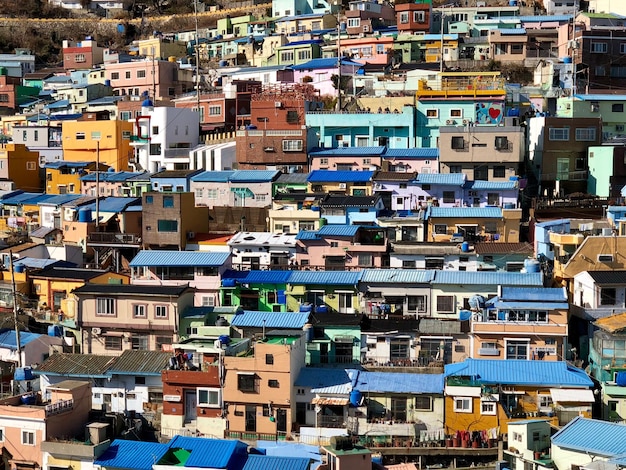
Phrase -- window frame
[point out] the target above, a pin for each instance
(558, 134)
(159, 316)
(490, 404)
(462, 401)
(28, 432)
(137, 307)
(207, 403)
(448, 298)
(110, 302)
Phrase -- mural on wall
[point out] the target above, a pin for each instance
(489, 113)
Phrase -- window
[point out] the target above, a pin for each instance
(273, 383)
(211, 193)
(215, 110)
(441, 229)
(149, 199)
(445, 303)
(292, 145)
(599, 47)
(139, 343)
(80, 136)
(608, 296)
(408, 264)
(499, 171)
(139, 311)
(304, 54)
(617, 107)
(456, 113)
(458, 143)
(160, 311)
(586, 134)
(366, 260)
(419, 17)
(1, 434)
(432, 113)
(399, 349)
(28, 438)
(423, 403)
(269, 359)
(155, 149)
(398, 409)
(167, 226)
(155, 130)
(488, 408)
(33, 166)
(404, 17)
(115, 76)
(463, 404)
(448, 197)
(502, 143)
(127, 75)
(168, 201)
(323, 161)
(162, 341)
(141, 74)
(354, 22)
(113, 343)
(209, 397)
(247, 383)
(433, 263)
(493, 199)
(286, 56)
(105, 306)
(559, 133)
(517, 350)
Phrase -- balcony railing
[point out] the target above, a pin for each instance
(59, 407)
(565, 176)
(331, 422)
(176, 153)
(382, 361)
(114, 238)
(329, 359)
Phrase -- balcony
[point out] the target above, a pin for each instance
(59, 407)
(385, 361)
(566, 238)
(328, 359)
(138, 141)
(565, 176)
(462, 86)
(83, 450)
(176, 153)
(108, 238)
(331, 421)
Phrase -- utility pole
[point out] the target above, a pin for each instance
(15, 310)
(338, 60)
(443, 17)
(197, 44)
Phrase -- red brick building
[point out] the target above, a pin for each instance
(82, 54)
(413, 17)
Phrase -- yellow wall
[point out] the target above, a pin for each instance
(115, 150)
(55, 178)
(21, 166)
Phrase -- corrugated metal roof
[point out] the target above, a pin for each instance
(508, 248)
(572, 395)
(494, 185)
(350, 278)
(325, 63)
(612, 323)
(270, 462)
(132, 455)
(59, 272)
(8, 341)
(338, 230)
(608, 277)
(397, 276)
(307, 235)
(450, 179)
(521, 372)
(24, 198)
(325, 380)
(39, 263)
(114, 204)
(267, 277)
(332, 176)
(283, 320)
(601, 97)
(291, 449)
(423, 153)
(391, 382)
(534, 305)
(60, 199)
(512, 31)
(292, 178)
(131, 289)
(592, 436)
(154, 258)
(253, 176)
(488, 277)
(543, 18)
(347, 152)
(234, 274)
(106, 176)
(135, 362)
(210, 453)
(465, 212)
(67, 164)
(536, 294)
(76, 365)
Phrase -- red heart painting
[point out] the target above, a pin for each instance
(494, 113)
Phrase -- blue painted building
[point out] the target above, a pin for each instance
(543, 246)
(173, 181)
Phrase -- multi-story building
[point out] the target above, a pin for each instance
(159, 79)
(20, 166)
(262, 250)
(240, 188)
(45, 140)
(366, 16)
(413, 17)
(473, 224)
(84, 54)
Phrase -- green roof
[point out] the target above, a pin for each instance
(354, 451)
(606, 16)
(281, 340)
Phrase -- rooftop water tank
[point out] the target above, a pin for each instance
(465, 315)
(55, 330)
(224, 339)
(221, 321)
(465, 247)
(19, 268)
(84, 215)
(23, 373)
(355, 398)
(532, 265)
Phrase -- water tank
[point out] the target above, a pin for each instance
(305, 307)
(465, 247)
(378, 459)
(221, 321)
(23, 373)
(121, 29)
(55, 330)
(355, 398)
(223, 63)
(476, 302)
(465, 315)
(532, 265)
(512, 3)
(321, 309)
(229, 283)
(620, 379)
(309, 333)
(19, 268)
(224, 339)
(509, 205)
(566, 60)
(84, 215)
(171, 58)
(147, 103)
(28, 399)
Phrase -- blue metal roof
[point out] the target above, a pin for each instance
(303, 42)
(58, 104)
(332, 176)
(307, 235)
(267, 277)
(326, 380)
(60, 199)
(536, 294)
(234, 274)
(212, 177)
(521, 372)
(253, 176)
(106, 176)
(133, 455)
(8, 341)
(114, 204)
(598, 97)
(346, 278)
(279, 320)
(493, 185)
(512, 31)
(40, 263)
(398, 276)
(592, 436)
(392, 382)
(542, 18)
(105, 100)
(291, 449)
(464, 212)
(24, 198)
(338, 230)
(211, 453)
(274, 462)
(325, 63)
(450, 179)
(300, 17)
(488, 278)
(346, 152)
(423, 153)
(153, 258)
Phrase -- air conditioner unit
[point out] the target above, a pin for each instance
(191, 235)
(466, 122)
(449, 122)
(278, 104)
(342, 185)
(96, 331)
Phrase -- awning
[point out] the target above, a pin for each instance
(104, 218)
(572, 395)
(242, 192)
(330, 401)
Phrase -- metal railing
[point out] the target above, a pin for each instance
(330, 359)
(331, 422)
(114, 238)
(59, 407)
(565, 176)
(382, 361)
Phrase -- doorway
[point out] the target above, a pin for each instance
(250, 418)
(191, 406)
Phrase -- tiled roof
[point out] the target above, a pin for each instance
(76, 365)
(130, 289)
(536, 294)
(325, 380)
(421, 154)
(336, 230)
(134, 362)
(346, 152)
(521, 372)
(608, 277)
(292, 178)
(350, 278)
(392, 382)
(493, 185)
(283, 320)
(332, 176)
(465, 212)
(154, 258)
(211, 453)
(132, 455)
(273, 462)
(449, 179)
(485, 248)
(592, 436)
(488, 278)
(397, 276)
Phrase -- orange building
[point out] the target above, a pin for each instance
(20, 165)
